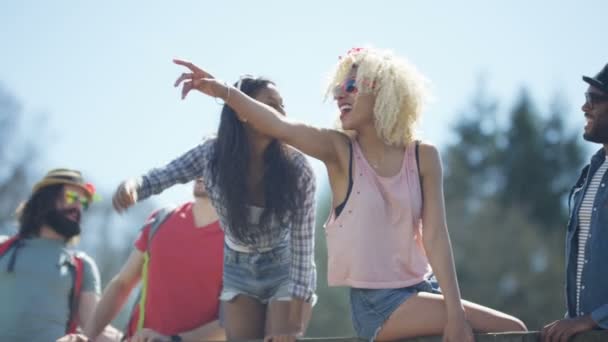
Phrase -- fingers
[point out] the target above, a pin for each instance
(187, 64)
(564, 335)
(183, 77)
(198, 72)
(549, 331)
(554, 333)
(186, 88)
(124, 197)
(545, 331)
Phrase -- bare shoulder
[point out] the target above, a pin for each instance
(430, 159)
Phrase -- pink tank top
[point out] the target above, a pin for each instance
(376, 242)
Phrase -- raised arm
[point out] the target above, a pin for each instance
(322, 144)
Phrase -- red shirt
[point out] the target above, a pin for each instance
(184, 274)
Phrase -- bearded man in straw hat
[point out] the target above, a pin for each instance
(47, 290)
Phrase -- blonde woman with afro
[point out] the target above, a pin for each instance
(387, 234)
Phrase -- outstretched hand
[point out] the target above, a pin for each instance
(200, 80)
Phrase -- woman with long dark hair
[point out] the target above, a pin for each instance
(263, 191)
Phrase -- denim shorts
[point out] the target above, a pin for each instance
(261, 275)
(370, 308)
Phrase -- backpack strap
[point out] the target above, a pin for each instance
(7, 244)
(77, 269)
(417, 150)
(14, 241)
(159, 218)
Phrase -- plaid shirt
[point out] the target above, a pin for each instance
(300, 224)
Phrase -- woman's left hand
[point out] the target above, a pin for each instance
(458, 330)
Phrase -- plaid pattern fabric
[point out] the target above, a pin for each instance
(298, 226)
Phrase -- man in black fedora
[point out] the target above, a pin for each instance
(47, 289)
(587, 235)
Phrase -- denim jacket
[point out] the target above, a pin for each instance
(594, 282)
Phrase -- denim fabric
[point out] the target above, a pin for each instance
(594, 282)
(370, 308)
(264, 275)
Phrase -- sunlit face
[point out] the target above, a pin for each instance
(270, 96)
(356, 106)
(596, 114)
(199, 190)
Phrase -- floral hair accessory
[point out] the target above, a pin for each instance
(353, 51)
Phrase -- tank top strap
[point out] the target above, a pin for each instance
(410, 168)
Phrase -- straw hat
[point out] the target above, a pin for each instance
(65, 176)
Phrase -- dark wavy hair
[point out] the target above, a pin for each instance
(230, 164)
(33, 213)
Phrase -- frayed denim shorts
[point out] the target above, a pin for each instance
(370, 308)
(260, 275)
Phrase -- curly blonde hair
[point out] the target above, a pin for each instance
(400, 90)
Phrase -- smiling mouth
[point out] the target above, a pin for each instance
(345, 109)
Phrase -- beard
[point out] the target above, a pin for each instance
(599, 135)
(57, 219)
(599, 130)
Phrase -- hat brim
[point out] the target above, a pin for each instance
(596, 83)
(48, 182)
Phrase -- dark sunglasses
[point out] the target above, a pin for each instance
(595, 98)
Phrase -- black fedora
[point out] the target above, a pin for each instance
(600, 80)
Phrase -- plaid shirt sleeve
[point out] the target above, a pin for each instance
(185, 168)
(303, 270)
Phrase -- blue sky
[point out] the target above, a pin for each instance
(101, 72)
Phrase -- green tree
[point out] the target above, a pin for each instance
(539, 159)
(18, 154)
(505, 187)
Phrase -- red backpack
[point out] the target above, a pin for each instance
(76, 267)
